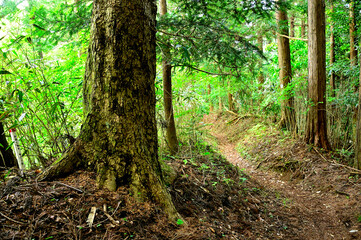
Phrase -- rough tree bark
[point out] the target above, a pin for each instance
(230, 102)
(303, 28)
(353, 51)
(119, 136)
(316, 128)
(288, 116)
(292, 26)
(332, 53)
(357, 160)
(7, 158)
(171, 133)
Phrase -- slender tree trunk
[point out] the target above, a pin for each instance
(292, 26)
(7, 157)
(357, 161)
(171, 133)
(230, 102)
(353, 51)
(211, 108)
(288, 117)
(260, 46)
(119, 136)
(220, 104)
(332, 54)
(230, 97)
(303, 28)
(316, 129)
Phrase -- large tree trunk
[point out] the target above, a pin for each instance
(7, 158)
(357, 160)
(171, 133)
(316, 129)
(119, 136)
(288, 117)
(353, 51)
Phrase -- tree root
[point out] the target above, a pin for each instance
(68, 163)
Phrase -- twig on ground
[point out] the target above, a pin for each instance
(115, 210)
(338, 164)
(116, 223)
(12, 219)
(231, 112)
(263, 161)
(77, 189)
(342, 193)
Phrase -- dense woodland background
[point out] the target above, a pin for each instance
(223, 56)
(222, 119)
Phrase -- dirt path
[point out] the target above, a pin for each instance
(311, 214)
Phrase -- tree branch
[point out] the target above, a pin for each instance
(210, 73)
(293, 38)
(178, 35)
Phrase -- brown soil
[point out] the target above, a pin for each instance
(211, 195)
(321, 196)
(291, 192)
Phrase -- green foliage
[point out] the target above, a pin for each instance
(212, 44)
(197, 34)
(41, 83)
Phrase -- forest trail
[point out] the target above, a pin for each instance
(312, 214)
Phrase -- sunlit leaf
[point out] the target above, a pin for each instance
(4, 115)
(22, 116)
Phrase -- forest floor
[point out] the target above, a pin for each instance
(280, 189)
(320, 195)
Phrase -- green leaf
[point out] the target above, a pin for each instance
(180, 222)
(5, 72)
(29, 40)
(38, 27)
(4, 115)
(55, 105)
(20, 95)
